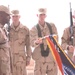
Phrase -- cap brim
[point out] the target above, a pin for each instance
(15, 14)
(41, 13)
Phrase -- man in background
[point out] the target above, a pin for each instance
(4, 47)
(20, 45)
(66, 42)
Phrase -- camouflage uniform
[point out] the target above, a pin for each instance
(4, 48)
(20, 48)
(65, 41)
(43, 65)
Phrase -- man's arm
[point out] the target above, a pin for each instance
(28, 48)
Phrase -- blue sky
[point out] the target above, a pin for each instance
(57, 11)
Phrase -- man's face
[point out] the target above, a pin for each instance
(15, 18)
(41, 17)
(5, 17)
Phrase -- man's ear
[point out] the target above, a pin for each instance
(19, 16)
(37, 15)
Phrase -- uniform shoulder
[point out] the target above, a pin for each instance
(25, 27)
(52, 24)
(33, 28)
(67, 28)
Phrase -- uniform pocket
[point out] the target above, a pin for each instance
(36, 54)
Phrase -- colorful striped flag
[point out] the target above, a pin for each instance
(65, 64)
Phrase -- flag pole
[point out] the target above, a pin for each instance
(54, 35)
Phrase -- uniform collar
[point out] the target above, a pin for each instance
(20, 26)
(42, 26)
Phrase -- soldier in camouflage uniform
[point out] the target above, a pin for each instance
(4, 47)
(44, 64)
(20, 45)
(66, 42)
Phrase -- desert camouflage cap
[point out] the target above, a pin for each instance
(42, 11)
(15, 12)
(4, 9)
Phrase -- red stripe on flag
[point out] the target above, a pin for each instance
(55, 54)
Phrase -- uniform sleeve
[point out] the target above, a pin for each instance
(3, 37)
(54, 29)
(33, 36)
(28, 47)
(64, 39)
